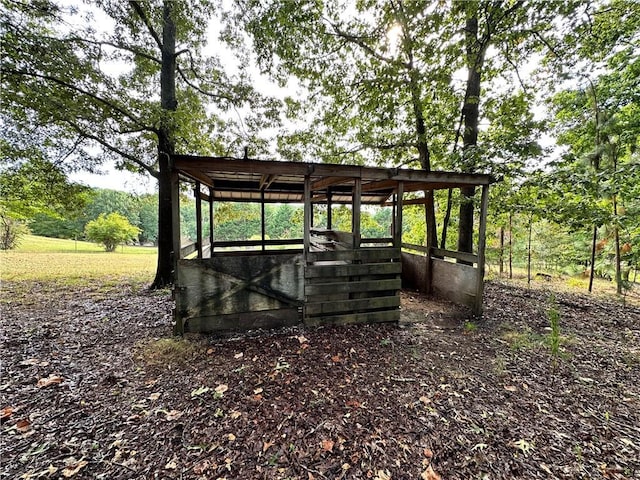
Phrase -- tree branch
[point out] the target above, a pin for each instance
(515, 68)
(202, 91)
(371, 146)
(95, 97)
(118, 46)
(546, 43)
(113, 148)
(370, 51)
(145, 19)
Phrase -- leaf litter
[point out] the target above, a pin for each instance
(423, 400)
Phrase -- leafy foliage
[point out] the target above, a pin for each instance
(111, 230)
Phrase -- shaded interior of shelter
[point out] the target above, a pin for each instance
(325, 276)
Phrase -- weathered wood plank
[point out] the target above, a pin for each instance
(329, 181)
(454, 281)
(343, 287)
(332, 271)
(347, 306)
(256, 243)
(243, 321)
(362, 254)
(484, 205)
(465, 257)
(229, 164)
(397, 231)
(198, 219)
(368, 317)
(188, 249)
(414, 272)
(417, 248)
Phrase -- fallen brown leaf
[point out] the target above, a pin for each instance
(430, 474)
(23, 425)
(267, 445)
(353, 404)
(50, 380)
(5, 413)
(220, 389)
(327, 445)
(73, 467)
(173, 415)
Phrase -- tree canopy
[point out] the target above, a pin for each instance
(471, 86)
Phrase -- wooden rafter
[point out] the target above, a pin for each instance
(328, 182)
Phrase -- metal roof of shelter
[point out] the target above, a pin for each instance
(249, 180)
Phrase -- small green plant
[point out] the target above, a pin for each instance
(553, 338)
(521, 340)
(470, 326)
(385, 342)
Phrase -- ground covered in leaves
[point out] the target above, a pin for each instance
(94, 386)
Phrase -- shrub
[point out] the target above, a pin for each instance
(111, 231)
(10, 232)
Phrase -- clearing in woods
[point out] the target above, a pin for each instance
(94, 386)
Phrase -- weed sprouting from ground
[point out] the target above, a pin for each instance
(553, 337)
(167, 351)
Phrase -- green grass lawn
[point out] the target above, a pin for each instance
(71, 262)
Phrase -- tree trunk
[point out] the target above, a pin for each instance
(501, 251)
(425, 163)
(447, 218)
(510, 247)
(471, 112)
(529, 251)
(166, 147)
(593, 258)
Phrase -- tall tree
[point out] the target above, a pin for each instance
(384, 76)
(139, 89)
(600, 119)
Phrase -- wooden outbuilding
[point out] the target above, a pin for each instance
(327, 276)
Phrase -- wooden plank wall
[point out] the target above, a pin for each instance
(239, 292)
(455, 281)
(352, 286)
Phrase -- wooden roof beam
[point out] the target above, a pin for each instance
(380, 185)
(329, 181)
(267, 180)
(199, 177)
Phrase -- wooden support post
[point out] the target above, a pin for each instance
(355, 214)
(198, 219)
(397, 232)
(175, 218)
(329, 217)
(307, 215)
(394, 200)
(263, 225)
(477, 310)
(429, 243)
(178, 328)
(211, 221)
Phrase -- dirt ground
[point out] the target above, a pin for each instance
(93, 386)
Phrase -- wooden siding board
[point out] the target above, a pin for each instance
(344, 287)
(352, 305)
(353, 318)
(243, 321)
(332, 271)
(363, 254)
(455, 281)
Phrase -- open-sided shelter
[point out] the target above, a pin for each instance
(327, 276)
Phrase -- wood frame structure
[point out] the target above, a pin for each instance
(326, 277)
